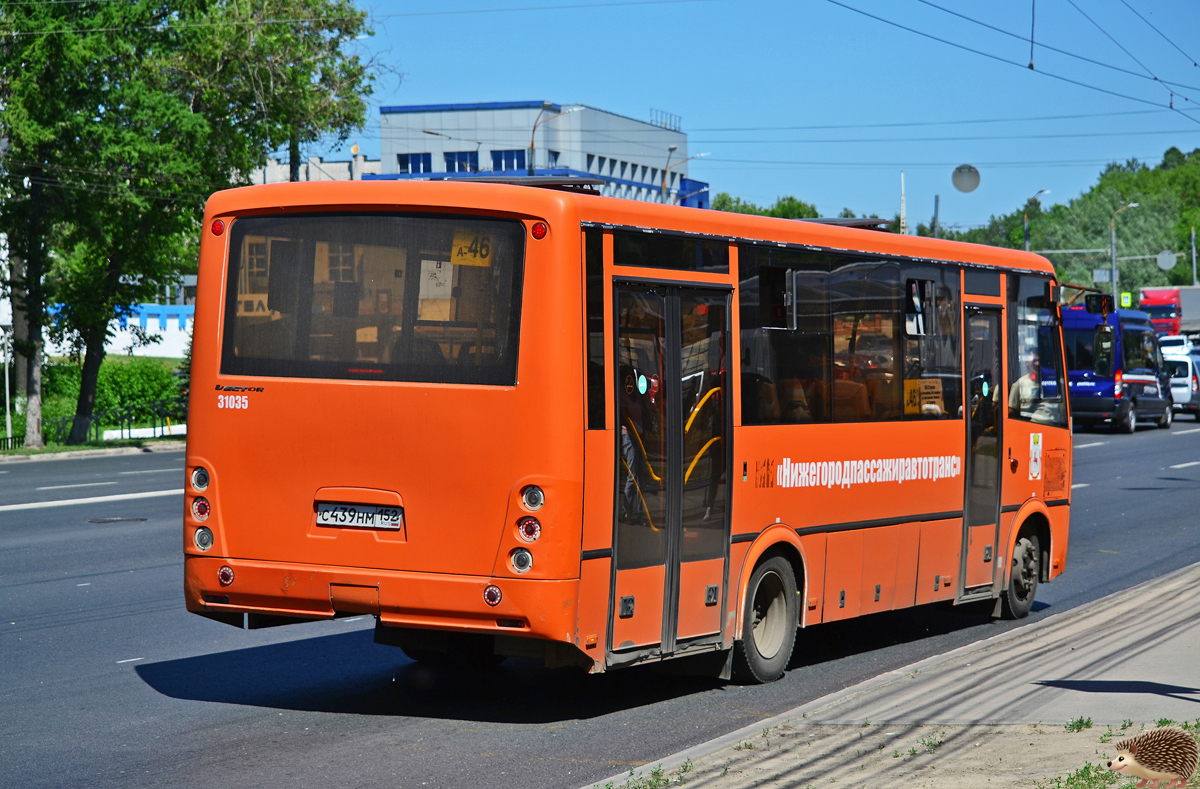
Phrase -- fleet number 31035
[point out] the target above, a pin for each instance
(233, 401)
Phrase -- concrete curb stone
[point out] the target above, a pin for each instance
(78, 454)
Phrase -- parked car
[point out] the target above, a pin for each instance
(1116, 375)
(1185, 383)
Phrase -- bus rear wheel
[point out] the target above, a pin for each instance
(769, 623)
(1016, 601)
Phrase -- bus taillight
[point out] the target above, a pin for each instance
(199, 479)
(521, 560)
(492, 595)
(528, 529)
(201, 508)
(533, 498)
(203, 538)
(225, 575)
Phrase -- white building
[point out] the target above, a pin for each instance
(317, 169)
(638, 160)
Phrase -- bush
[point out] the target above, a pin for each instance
(123, 381)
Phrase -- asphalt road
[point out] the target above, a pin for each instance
(105, 680)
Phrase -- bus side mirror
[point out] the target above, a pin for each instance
(1099, 303)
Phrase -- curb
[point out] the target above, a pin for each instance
(79, 454)
(703, 749)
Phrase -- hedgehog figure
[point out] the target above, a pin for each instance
(1168, 754)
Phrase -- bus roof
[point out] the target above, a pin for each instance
(506, 198)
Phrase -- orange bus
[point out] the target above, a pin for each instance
(521, 419)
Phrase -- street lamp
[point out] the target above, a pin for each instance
(1027, 202)
(478, 144)
(538, 122)
(1112, 237)
(666, 167)
(673, 166)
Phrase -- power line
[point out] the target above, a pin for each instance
(1053, 48)
(1000, 59)
(941, 139)
(1164, 35)
(1112, 39)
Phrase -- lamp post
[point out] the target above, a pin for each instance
(1112, 237)
(538, 122)
(1027, 202)
(478, 144)
(671, 167)
(1194, 282)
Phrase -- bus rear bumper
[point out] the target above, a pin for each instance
(278, 591)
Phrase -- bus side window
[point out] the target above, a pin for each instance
(1035, 374)
(932, 356)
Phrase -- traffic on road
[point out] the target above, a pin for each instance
(107, 681)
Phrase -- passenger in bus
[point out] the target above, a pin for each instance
(1025, 391)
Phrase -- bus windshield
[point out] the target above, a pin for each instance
(374, 296)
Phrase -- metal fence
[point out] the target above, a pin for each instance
(12, 442)
(158, 413)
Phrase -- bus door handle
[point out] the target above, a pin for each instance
(1012, 461)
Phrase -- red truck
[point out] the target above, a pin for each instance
(1165, 308)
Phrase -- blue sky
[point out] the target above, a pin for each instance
(754, 80)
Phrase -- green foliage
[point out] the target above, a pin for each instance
(1161, 722)
(932, 742)
(1090, 776)
(1079, 724)
(786, 207)
(123, 381)
(1168, 198)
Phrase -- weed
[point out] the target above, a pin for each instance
(1090, 776)
(744, 745)
(896, 754)
(1107, 736)
(725, 771)
(1164, 722)
(1079, 724)
(881, 746)
(932, 742)
(1125, 724)
(866, 724)
(912, 751)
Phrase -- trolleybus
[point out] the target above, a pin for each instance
(522, 419)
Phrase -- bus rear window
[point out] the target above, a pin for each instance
(432, 299)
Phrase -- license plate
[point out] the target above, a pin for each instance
(359, 516)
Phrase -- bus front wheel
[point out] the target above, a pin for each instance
(769, 623)
(1016, 600)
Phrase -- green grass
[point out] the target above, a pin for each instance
(1164, 722)
(1079, 724)
(1090, 776)
(51, 449)
(932, 742)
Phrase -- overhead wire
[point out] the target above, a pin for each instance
(1164, 35)
(1059, 50)
(999, 59)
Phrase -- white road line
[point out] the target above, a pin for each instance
(1187, 465)
(1185, 432)
(37, 505)
(1093, 444)
(131, 660)
(89, 583)
(154, 471)
(1081, 485)
(79, 485)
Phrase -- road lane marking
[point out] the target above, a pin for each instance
(131, 660)
(1081, 485)
(1185, 432)
(1093, 444)
(152, 471)
(1187, 465)
(89, 583)
(37, 505)
(79, 485)
(1104, 551)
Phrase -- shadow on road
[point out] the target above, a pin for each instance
(348, 673)
(1123, 686)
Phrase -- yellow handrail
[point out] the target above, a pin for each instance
(645, 506)
(645, 454)
(696, 409)
(696, 459)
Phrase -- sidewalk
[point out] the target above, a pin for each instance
(988, 714)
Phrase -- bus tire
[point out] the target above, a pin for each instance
(1016, 600)
(769, 621)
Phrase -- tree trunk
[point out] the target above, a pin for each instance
(16, 283)
(34, 307)
(294, 156)
(93, 357)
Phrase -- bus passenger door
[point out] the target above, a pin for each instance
(985, 400)
(672, 525)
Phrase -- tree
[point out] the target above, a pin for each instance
(162, 103)
(787, 207)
